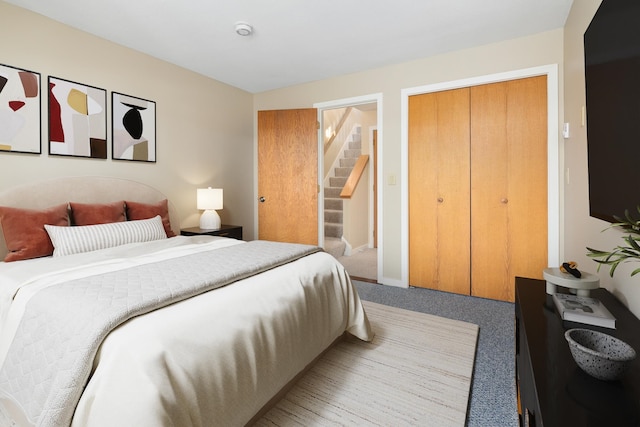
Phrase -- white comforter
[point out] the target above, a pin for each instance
(215, 359)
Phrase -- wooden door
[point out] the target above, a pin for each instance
(508, 185)
(288, 176)
(439, 230)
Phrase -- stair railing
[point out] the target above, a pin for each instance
(343, 119)
(354, 177)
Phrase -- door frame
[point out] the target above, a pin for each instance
(373, 187)
(341, 103)
(554, 190)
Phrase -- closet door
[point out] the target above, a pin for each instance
(508, 185)
(439, 240)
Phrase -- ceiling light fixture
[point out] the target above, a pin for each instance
(244, 29)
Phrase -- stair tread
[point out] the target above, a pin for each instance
(333, 202)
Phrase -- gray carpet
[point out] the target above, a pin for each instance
(493, 392)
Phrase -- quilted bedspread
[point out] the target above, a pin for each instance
(50, 359)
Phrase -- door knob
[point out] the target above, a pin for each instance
(261, 199)
(504, 201)
(440, 200)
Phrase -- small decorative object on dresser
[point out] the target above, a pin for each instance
(232, 231)
(553, 390)
(598, 354)
(582, 285)
(583, 310)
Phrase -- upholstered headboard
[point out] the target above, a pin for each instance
(81, 189)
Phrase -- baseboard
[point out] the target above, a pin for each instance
(363, 279)
(392, 282)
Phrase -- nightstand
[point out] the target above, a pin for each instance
(225, 230)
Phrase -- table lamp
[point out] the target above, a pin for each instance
(209, 199)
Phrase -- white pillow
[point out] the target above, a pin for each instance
(87, 238)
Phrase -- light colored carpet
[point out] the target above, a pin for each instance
(416, 372)
(362, 264)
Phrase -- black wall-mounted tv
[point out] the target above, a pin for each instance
(612, 74)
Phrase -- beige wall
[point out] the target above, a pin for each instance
(540, 49)
(581, 230)
(204, 131)
(331, 118)
(205, 136)
(356, 215)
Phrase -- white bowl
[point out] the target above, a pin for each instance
(598, 354)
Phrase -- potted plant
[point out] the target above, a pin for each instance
(629, 251)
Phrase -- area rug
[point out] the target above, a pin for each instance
(416, 372)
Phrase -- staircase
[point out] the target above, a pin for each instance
(333, 216)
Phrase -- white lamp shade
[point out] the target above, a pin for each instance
(209, 198)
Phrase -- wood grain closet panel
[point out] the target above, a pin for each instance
(439, 240)
(509, 185)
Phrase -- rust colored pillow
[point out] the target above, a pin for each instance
(91, 214)
(24, 231)
(137, 211)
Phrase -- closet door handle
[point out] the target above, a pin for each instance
(504, 201)
(440, 200)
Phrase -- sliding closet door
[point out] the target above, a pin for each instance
(508, 185)
(439, 240)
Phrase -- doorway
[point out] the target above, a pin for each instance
(349, 143)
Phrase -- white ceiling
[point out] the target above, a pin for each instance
(298, 41)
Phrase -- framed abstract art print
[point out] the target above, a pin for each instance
(20, 110)
(77, 119)
(133, 128)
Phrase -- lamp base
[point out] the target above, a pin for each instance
(210, 220)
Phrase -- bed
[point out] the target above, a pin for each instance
(180, 331)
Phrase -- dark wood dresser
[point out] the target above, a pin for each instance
(553, 390)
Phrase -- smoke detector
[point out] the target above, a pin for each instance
(244, 29)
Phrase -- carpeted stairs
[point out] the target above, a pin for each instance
(333, 214)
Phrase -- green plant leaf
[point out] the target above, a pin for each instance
(622, 253)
